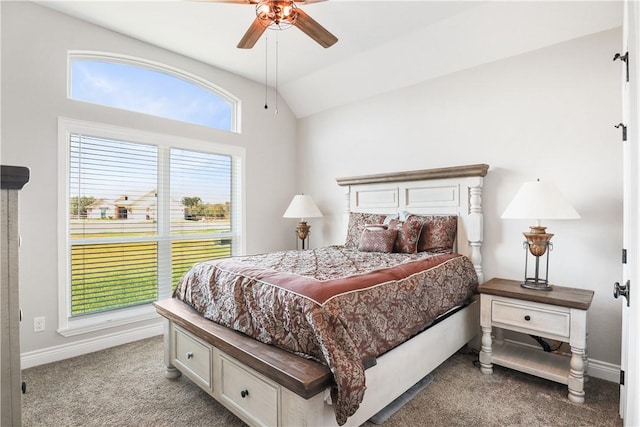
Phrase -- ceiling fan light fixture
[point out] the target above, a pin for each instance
(280, 15)
(277, 15)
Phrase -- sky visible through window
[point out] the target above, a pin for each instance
(144, 90)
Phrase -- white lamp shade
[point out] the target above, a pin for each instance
(539, 200)
(302, 206)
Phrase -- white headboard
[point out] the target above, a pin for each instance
(445, 191)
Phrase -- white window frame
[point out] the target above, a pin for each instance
(155, 66)
(70, 326)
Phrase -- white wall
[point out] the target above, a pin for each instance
(35, 41)
(547, 114)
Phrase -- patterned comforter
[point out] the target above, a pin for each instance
(336, 305)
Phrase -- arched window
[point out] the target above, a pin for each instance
(146, 87)
(141, 207)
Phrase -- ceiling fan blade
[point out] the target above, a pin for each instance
(252, 35)
(314, 30)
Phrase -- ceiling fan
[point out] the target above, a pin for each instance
(281, 14)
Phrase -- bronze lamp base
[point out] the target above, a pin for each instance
(538, 243)
(303, 231)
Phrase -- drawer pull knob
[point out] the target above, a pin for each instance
(527, 317)
(189, 355)
(244, 393)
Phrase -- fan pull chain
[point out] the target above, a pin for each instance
(266, 68)
(276, 72)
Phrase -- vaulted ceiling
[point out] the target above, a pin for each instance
(383, 45)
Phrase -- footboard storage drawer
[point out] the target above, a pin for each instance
(192, 357)
(251, 396)
(261, 384)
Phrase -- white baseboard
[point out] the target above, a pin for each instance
(78, 348)
(597, 369)
(604, 370)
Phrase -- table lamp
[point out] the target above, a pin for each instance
(538, 200)
(302, 206)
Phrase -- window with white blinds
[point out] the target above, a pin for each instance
(140, 210)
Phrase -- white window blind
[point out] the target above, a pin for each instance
(113, 205)
(108, 276)
(141, 212)
(201, 194)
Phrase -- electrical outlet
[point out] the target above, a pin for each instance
(38, 324)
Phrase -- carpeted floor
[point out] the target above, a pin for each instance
(125, 386)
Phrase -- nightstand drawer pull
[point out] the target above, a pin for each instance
(527, 317)
(189, 355)
(244, 393)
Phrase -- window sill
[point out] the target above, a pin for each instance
(102, 321)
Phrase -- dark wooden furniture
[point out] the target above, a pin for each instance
(12, 179)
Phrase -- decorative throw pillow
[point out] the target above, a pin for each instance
(357, 223)
(408, 235)
(377, 240)
(438, 233)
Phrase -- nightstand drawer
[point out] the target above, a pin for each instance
(192, 357)
(534, 320)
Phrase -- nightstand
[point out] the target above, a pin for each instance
(560, 314)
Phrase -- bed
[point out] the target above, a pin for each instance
(343, 363)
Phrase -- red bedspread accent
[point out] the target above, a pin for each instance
(336, 305)
(322, 290)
